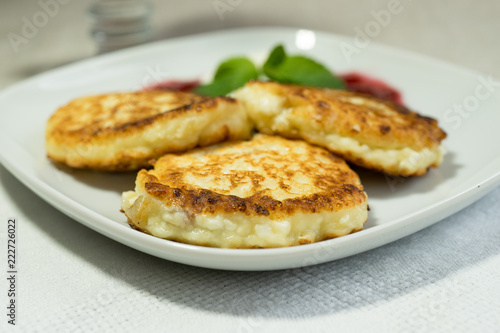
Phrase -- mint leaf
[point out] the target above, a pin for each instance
(276, 57)
(299, 70)
(231, 75)
(235, 72)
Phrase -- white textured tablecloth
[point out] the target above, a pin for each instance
(445, 277)
(70, 278)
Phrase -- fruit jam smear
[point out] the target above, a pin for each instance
(354, 81)
(362, 83)
(175, 85)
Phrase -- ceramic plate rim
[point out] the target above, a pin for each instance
(230, 259)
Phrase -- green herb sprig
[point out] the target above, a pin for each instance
(233, 73)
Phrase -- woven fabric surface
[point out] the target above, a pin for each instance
(72, 279)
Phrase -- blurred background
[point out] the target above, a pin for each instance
(38, 35)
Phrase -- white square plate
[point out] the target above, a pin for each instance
(467, 105)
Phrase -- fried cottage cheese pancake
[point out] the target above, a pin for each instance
(266, 192)
(364, 130)
(123, 131)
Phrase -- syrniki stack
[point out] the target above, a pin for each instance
(263, 193)
(123, 131)
(364, 130)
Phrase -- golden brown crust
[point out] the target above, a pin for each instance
(123, 131)
(206, 201)
(109, 115)
(277, 177)
(380, 124)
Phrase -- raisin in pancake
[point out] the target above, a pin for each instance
(266, 192)
(123, 131)
(364, 130)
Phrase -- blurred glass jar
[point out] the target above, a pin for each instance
(120, 23)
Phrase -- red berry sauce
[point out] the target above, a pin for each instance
(175, 85)
(361, 83)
